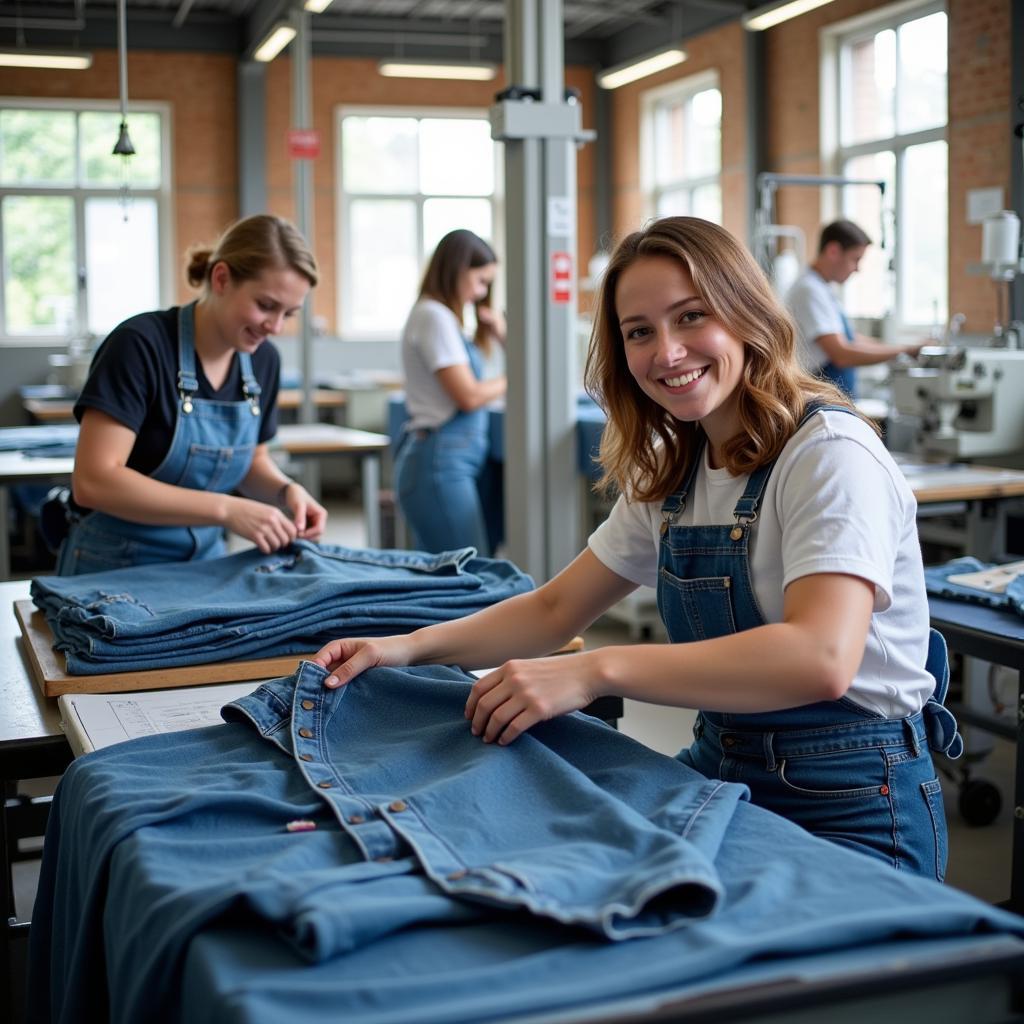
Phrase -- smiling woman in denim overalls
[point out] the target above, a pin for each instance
(782, 540)
(449, 490)
(177, 412)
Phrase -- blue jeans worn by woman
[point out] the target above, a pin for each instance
(834, 767)
(449, 491)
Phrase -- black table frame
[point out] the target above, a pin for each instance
(1001, 642)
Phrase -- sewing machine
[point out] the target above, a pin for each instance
(967, 400)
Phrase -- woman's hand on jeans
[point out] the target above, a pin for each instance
(346, 658)
(267, 527)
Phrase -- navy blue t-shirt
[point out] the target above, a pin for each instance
(134, 379)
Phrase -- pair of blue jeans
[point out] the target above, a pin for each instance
(250, 604)
(834, 767)
(450, 490)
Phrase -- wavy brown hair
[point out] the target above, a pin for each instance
(645, 451)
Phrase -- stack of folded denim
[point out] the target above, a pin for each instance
(937, 581)
(50, 441)
(251, 605)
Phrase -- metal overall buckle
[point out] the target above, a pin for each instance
(742, 523)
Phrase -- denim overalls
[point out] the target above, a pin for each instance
(212, 450)
(834, 767)
(448, 489)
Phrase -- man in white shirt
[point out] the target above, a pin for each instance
(829, 346)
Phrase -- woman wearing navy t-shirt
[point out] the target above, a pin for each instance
(178, 409)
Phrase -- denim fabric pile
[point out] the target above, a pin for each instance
(936, 581)
(250, 605)
(436, 877)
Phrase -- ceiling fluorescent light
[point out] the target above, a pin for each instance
(317, 6)
(277, 39)
(469, 72)
(774, 14)
(641, 68)
(68, 60)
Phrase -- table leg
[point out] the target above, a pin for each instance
(1017, 862)
(371, 498)
(5, 537)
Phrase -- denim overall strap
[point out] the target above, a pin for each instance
(940, 725)
(672, 507)
(211, 450)
(188, 380)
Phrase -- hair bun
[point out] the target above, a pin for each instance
(198, 265)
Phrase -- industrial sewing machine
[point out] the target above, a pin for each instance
(967, 400)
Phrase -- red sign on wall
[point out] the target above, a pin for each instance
(561, 277)
(303, 143)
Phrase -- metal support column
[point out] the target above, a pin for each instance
(252, 138)
(301, 53)
(540, 130)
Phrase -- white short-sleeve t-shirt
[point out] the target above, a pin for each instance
(816, 311)
(835, 502)
(431, 340)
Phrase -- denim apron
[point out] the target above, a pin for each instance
(448, 490)
(844, 377)
(839, 770)
(211, 450)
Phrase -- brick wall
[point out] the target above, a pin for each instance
(204, 130)
(351, 82)
(978, 133)
(721, 50)
(979, 114)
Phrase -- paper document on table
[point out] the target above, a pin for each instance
(992, 581)
(94, 720)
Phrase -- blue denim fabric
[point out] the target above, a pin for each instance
(450, 494)
(54, 441)
(211, 450)
(157, 848)
(250, 604)
(844, 377)
(936, 581)
(834, 767)
(618, 872)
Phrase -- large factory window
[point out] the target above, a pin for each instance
(681, 148)
(891, 91)
(80, 229)
(407, 178)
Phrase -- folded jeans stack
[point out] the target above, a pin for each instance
(947, 581)
(251, 605)
(50, 441)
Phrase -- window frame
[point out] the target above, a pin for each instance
(681, 90)
(343, 199)
(836, 42)
(79, 194)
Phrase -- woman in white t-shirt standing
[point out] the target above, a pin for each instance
(782, 540)
(449, 491)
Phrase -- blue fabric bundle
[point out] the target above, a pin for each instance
(52, 441)
(250, 605)
(936, 581)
